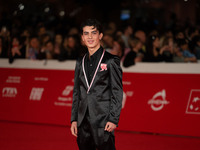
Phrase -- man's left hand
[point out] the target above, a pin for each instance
(110, 126)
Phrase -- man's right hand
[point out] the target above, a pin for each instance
(74, 130)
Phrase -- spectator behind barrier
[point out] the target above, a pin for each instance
(142, 36)
(70, 50)
(155, 53)
(38, 34)
(136, 53)
(34, 48)
(3, 48)
(17, 48)
(197, 47)
(111, 45)
(47, 52)
(185, 52)
(127, 32)
(57, 45)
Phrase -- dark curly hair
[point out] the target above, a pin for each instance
(92, 22)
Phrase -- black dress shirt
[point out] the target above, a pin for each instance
(91, 63)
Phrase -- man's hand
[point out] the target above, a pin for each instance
(74, 130)
(110, 126)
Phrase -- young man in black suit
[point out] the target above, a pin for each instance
(97, 94)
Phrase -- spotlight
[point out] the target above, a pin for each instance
(62, 13)
(47, 9)
(21, 7)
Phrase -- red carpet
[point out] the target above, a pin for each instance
(22, 136)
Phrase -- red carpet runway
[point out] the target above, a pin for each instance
(23, 136)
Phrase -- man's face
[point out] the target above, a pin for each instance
(34, 43)
(91, 37)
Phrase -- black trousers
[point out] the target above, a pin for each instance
(85, 139)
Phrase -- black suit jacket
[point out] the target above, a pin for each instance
(103, 97)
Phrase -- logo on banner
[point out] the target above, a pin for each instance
(9, 92)
(125, 95)
(67, 90)
(158, 101)
(36, 94)
(66, 98)
(41, 79)
(193, 106)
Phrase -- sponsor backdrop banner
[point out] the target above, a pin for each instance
(152, 102)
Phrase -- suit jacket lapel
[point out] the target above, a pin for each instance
(83, 66)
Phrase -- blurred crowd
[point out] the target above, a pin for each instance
(131, 45)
